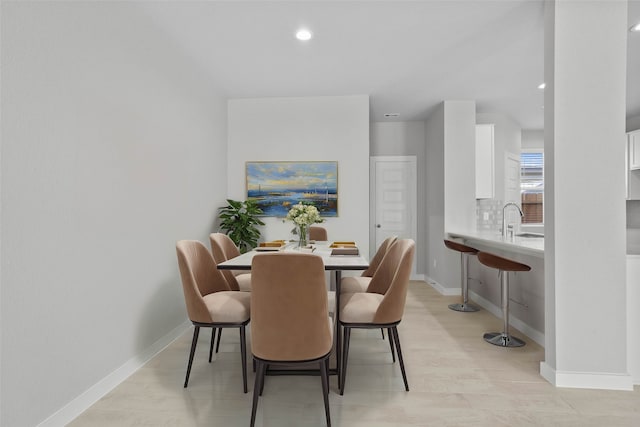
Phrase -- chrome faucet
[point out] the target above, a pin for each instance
(504, 217)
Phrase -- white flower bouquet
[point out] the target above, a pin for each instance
(303, 216)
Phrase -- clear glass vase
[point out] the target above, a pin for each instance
(302, 236)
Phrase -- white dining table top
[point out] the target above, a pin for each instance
(322, 249)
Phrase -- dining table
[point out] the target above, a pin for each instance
(346, 261)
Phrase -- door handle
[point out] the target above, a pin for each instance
(378, 226)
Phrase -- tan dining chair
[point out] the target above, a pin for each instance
(223, 249)
(209, 300)
(352, 284)
(318, 233)
(289, 317)
(382, 306)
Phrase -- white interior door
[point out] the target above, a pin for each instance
(512, 178)
(512, 186)
(393, 198)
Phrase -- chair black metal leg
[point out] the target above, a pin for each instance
(345, 355)
(382, 332)
(265, 366)
(326, 362)
(254, 364)
(393, 354)
(263, 376)
(243, 355)
(194, 343)
(324, 375)
(218, 342)
(338, 342)
(256, 391)
(396, 338)
(213, 338)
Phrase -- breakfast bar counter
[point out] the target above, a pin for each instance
(526, 288)
(523, 243)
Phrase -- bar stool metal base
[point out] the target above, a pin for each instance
(463, 307)
(503, 340)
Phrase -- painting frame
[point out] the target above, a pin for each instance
(275, 186)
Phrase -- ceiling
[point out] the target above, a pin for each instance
(407, 56)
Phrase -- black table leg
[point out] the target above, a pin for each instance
(338, 340)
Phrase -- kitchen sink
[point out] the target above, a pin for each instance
(530, 235)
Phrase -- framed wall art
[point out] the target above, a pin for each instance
(276, 186)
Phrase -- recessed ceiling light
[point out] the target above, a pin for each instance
(542, 85)
(303, 34)
(391, 114)
(635, 28)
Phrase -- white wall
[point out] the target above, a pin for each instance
(459, 166)
(334, 128)
(549, 195)
(435, 254)
(112, 149)
(532, 139)
(406, 139)
(580, 126)
(450, 198)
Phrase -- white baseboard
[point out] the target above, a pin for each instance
(534, 334)
(601, 381)
(418, 277)
(81, 403)
(443, 290)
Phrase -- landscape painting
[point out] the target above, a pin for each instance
(276, 186)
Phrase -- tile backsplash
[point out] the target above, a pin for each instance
(489, 215)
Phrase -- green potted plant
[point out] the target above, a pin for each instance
(240, 221)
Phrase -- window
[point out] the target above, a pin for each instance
(532, 185)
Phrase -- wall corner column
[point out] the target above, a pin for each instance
(585, 249)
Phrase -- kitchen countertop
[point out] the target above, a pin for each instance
(524, 245)
(527, 245)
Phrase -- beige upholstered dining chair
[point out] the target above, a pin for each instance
(351, 284)
(223, 249)
(382, 306)
(290, 322)
(318, 233)
(210, 303)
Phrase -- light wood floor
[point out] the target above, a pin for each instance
(455, 378)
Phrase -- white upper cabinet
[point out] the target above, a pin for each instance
(632, 172)
(485, 162)
(634, 149)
